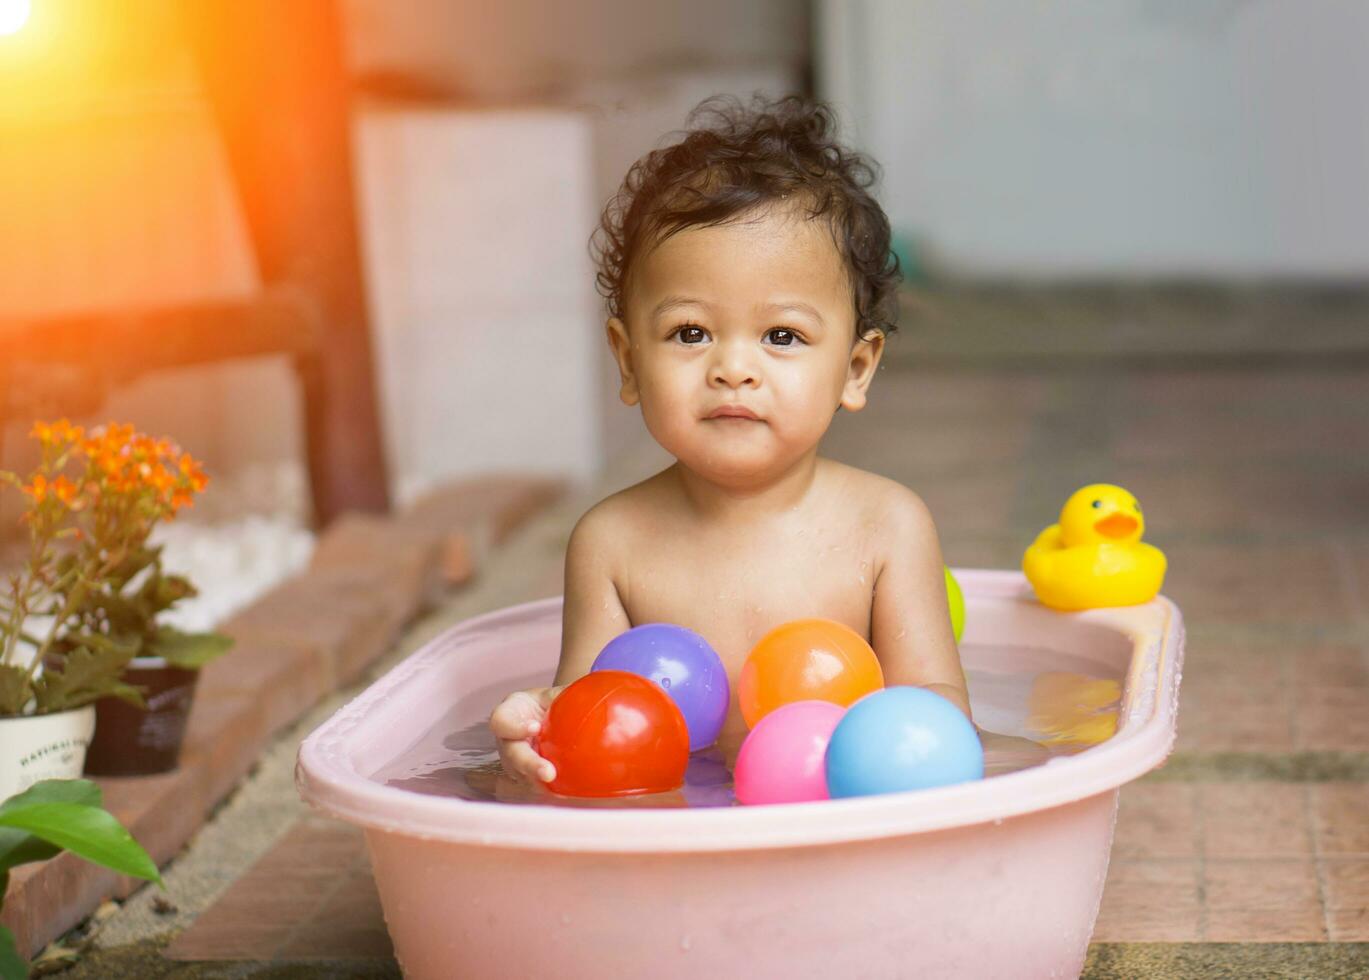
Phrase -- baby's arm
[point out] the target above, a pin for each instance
(592, 616)
(910, 625)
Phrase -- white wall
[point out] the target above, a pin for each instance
(1225, 138)
(485, 316)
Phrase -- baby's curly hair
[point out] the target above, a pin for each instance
(734, 159)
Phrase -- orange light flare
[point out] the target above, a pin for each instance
(14, 14)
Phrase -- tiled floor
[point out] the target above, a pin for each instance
(1248, 854)
(311, 897)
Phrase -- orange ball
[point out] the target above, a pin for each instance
(807, 660)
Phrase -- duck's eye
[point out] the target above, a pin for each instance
(1097, 505)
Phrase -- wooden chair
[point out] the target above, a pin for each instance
(275, 78)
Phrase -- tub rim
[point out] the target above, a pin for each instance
(328, 780)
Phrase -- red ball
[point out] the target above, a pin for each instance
(612, 733)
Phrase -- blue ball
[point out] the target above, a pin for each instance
(683, 663)
(898, 739)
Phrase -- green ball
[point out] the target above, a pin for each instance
(956, 598)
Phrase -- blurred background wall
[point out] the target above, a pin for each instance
(1208, 140)
(1197, 139)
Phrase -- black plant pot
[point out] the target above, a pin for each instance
(132, 741)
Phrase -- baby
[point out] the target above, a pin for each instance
(749, 282)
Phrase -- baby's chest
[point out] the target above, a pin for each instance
(733, 598)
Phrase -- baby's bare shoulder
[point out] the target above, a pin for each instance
(616, 521)
(898, 512)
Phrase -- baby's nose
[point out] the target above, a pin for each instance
(733, 367)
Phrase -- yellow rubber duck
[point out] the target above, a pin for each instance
(1094, 556)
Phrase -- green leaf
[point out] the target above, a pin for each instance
(90, 832)
(190, 651)
(133, 563)
(85, 675)
(15, 689)
(164, 591)
(83, 792)
(19, 846)
(12, 965)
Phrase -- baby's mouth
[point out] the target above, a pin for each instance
(732, 413)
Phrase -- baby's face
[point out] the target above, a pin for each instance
(739, 345)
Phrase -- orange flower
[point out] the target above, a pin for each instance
(56, 433)
(64, 490)
(191, 470)
(182, 498)
(162, 480)
(37, 488)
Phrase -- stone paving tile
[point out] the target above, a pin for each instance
(310, 897)
(1291, 924)
(932, 445)
(1157, 820)
(1347, 883)
(1349, 925)
(1339, 818)
(1150, 900)
(1269, 695)
(1254, 820)
(1258, 584)
(1238, 862)
(900, 393)
(1265, 883)
(1188, 498)
(1198, 395)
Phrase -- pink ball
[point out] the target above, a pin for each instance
(781, 761)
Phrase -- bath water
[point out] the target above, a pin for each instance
(1031, 704)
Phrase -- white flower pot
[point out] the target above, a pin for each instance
(34, 747)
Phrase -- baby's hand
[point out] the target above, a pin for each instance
(515, 723)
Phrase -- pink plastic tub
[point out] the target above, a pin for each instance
(999, 878)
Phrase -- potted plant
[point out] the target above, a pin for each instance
(78, 622)
(56, 815)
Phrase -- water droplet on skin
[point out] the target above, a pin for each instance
(565, 918)
(685, 943)
(901, 634)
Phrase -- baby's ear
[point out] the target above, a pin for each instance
(860, 372)
(621, 346)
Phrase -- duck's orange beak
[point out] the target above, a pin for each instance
(1116, 526)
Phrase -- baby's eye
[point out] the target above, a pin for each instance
(781, 337)
(691, 334)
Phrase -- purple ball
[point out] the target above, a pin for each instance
(683, 663)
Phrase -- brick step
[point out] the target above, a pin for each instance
(311, 635)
